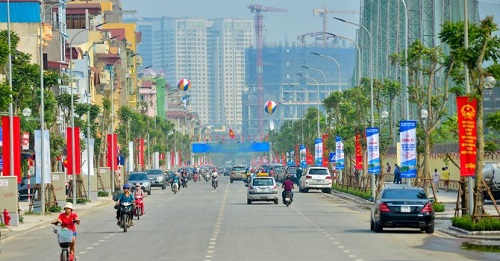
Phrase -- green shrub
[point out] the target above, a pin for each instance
(54, 209)
(102, 194)
(438, 206)
(485, 224)
(78, 200)
(352, 191)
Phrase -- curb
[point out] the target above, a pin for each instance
(45, 220)
(492, 238)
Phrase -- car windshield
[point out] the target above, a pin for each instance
(262, 182)
(138, 177)
(404, 194)
(154, 172)
(238, 168)
(278, 169)
(318, 171)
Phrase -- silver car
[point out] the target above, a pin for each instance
(262, 189)
(316, 178)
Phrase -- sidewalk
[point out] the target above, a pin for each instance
(33, 221)
(489, 238)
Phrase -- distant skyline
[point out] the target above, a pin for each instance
(278, 26)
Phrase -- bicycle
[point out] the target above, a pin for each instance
(64, 238)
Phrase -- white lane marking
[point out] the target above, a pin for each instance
(218, 222)
(82, 252)
(89, 248)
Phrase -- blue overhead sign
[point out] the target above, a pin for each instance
(242, 147)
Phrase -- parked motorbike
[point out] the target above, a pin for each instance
(138, 207)
(175, 187)
(125, 219)
(287, 198)
(215, 182)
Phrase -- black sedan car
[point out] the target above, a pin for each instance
(402, 207)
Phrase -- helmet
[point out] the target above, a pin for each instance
(126, 186)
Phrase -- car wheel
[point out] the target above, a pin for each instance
(327, 191)
(276, 201)
(430, 229)
(164, 186)
(149, 192)
(249, 201)
(377, 227)
(306, 190)
(231, 180)
(372, 226)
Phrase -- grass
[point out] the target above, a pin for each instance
(352, 191)
(102, 194)
(481, 248)
(438, 206)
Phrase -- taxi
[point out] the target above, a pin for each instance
(262, 174)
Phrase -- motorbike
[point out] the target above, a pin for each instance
(125, 219)
(64, 238)
(138, 207)
(175, 187)
(184, 182)
(287, 198)
(215, 182)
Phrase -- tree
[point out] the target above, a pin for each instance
(424, 64)
(483, 46)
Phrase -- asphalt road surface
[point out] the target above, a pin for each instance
(200, 223)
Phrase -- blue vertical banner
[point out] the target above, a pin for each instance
(318, 152)
(408, 139)
(339, 153)
(373, 146)
(302, 155)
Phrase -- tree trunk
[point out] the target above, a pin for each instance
(478, 201)
(427, 152)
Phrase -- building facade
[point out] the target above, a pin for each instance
(210, 54)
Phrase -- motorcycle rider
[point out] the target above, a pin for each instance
(139, 193)
(126, 196)
(215, 176)
(288, 186)
(68, 219)
(175, 179)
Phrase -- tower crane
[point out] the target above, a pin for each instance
(258, 9)
(324, 13)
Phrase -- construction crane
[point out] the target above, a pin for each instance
(258, 9)
(324, 13)
(302, 38)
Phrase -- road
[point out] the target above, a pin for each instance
(200, 223)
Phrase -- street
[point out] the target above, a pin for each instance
(200, 223)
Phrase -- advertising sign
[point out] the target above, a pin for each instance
(339, 153)
(373, 146)
(302, 153)
(318, 152)
(46, 156)
(358, 152)
(408, 139)
(467, 135)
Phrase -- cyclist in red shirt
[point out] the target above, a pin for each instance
(288, 186)
(68, 219)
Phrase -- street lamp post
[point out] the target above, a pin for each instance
(324, 76)
(72, 110)
(317, 105)
(42, 120)
(371, 87)
(113, 157)
(359, 56)
(371, 65)
(336, 62)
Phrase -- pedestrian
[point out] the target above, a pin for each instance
(446, 178)
(388, 168)
(397, 174)
(435, 179)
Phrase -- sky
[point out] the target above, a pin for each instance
(278, 26)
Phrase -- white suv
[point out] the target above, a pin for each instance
(316, 178)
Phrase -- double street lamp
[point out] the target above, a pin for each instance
(72, 110)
